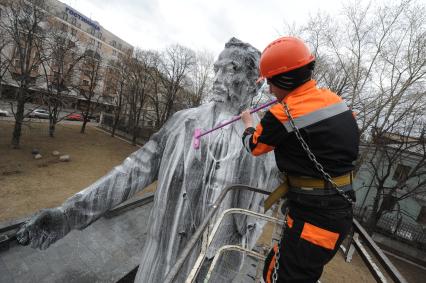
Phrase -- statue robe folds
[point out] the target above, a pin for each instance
(189, 182)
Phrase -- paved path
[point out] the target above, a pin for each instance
(103, 252)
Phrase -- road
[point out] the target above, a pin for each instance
(6, 105)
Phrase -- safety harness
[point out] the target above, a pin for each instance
(307, 185)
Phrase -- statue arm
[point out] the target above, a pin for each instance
(138, 171)
(134, 174)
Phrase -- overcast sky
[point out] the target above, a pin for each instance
(202, 24)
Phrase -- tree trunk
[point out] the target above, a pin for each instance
(134, 137)
(52, 125)
(83, 127)
(19, 117)
(85, 117)
(114, 126)
(374, 217)
(135, 133)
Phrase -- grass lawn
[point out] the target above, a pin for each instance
(27, 185)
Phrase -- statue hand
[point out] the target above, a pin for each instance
(44, 228)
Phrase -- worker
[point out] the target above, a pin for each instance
(319, 177)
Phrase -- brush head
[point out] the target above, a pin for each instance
(196, 137)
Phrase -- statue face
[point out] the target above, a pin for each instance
(234, 84)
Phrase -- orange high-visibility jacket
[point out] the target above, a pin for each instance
(325, 122)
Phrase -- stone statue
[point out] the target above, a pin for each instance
(189, 180)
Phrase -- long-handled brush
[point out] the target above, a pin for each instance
(198, 134)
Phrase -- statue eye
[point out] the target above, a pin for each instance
(233, 67)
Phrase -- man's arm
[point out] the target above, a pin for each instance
(268, 134)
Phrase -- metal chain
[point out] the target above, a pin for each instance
(277, 254)
(312, 157)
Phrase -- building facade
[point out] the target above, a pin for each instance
(90, 37)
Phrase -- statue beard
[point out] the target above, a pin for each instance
(234, 101)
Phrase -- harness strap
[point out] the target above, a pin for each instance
(307, 185)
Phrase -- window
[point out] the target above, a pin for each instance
(92, 41)
(99, 44)
(64, 16)
(401, 173)
(92, 31)
(119, 46)
(113, 43)
(73, 31)
(64, 27)
(73, 20)
(71, 43)
(85, 82)
(114, 52)
(100, 35)
(421, 218)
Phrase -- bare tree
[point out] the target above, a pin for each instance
(91, 71)
(375, 58)
(4, 62)
(139, 88)
(156, 95)
(22, 23)
(175, 66)
(201, 77)
(397, 168)
(369, 49)
(118, 83)
(61, 58)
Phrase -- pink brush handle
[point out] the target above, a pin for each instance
(236, 118)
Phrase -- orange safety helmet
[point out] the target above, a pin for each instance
(282, 55)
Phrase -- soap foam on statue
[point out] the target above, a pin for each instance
(188, 180)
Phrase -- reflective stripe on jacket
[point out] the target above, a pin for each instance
(325, 122)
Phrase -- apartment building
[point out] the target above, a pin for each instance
(90, 36)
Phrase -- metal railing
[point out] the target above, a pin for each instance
(199, 232)
(194, 272)
(230, 248)
(393, 227)
(361, 238)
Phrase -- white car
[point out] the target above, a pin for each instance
(39, 113)
(4, 113)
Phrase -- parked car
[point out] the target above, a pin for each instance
(95, 118)
(39, 113)
(4, 113)
(74, 117)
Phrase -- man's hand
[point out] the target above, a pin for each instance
(246, 118)
(43, 229)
